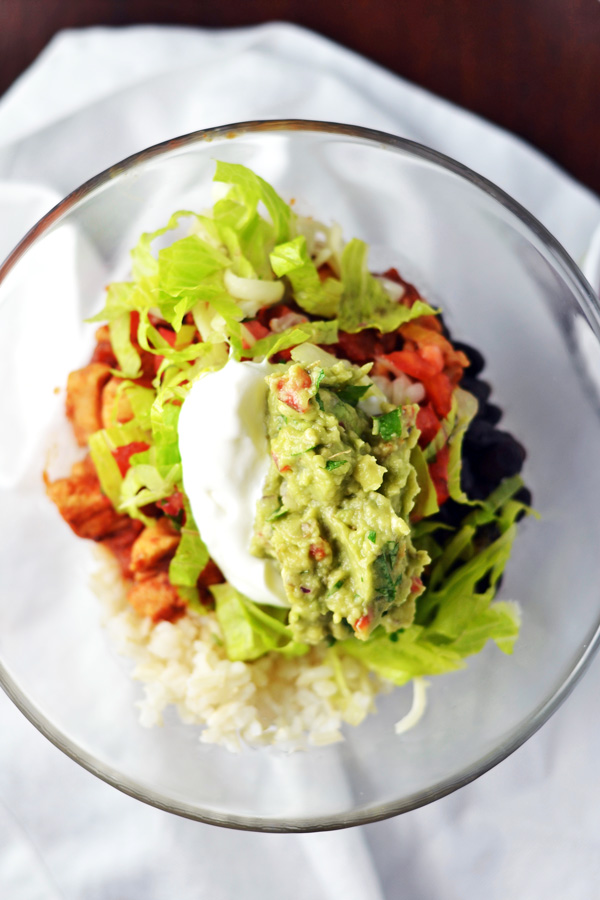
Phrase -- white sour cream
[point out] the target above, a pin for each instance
(225, 456)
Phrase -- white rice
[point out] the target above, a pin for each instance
(293, 703)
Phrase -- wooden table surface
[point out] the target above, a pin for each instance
(532, 66)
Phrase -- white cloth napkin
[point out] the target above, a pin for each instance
(531, 827)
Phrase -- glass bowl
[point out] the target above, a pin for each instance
(506, 287)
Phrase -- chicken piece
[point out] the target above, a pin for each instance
(84, 392)
(115, 407)
(156, 598)
(155, 544)
(82, 504)
(102, 334)
(121, 543)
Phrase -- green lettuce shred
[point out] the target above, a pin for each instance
(313, 295)
(250, 630)
(364, 302)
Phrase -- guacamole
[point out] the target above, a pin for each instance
(336, 501)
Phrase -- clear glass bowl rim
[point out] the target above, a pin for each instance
(591, 307)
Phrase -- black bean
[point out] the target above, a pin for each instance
(497, 458)
(491, 413)
(477, 387)
(524, 496)
(451, 513)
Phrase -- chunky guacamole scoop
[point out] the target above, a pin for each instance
(336, 501)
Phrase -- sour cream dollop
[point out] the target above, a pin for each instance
(225, 457)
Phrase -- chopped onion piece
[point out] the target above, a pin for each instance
(395, 290)
(288, 321)
(419, 705)
(384, 385)
(322, 256)
(253, 292)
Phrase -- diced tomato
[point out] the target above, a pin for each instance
(172, 505)
(211, 574)
(291, 384)
(431, 353)
(439, 391)
(362, 624)
(168, 334)
(428, 424)
(317, 551)
(360, 347)
(454, 371)
(283, 356)
(413, 331)
(438, 469)
(325, 272)
(257, 330)
(123, 454)
(267, 313)
(134, 322)
(412, 363)
(416, 584)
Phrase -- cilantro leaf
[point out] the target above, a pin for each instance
(389, 425)
(385, 582)
(352, 393)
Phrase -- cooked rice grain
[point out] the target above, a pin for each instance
(292, 703)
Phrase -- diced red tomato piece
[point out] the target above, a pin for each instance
(428, 424)
(267, 313)
(416, 584)
(438, 469)
(362, 625)
(134, 322)
(412, 331)
(168, 334)
(431, 353)
(283, 356)
(211, 574)
(317, 551)
(325, 272)
(358, 348)
(172, 505)
(257, 330)
(291, 384)
(412, 363)
(123, 454)
(439, 391)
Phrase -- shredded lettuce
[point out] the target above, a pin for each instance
(191, 555)
(250, 190)
(426, 500)
(250, 630)
(364, 302)
(324, 332)
(313, 295)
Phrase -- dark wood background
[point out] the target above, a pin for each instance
(532, 66)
